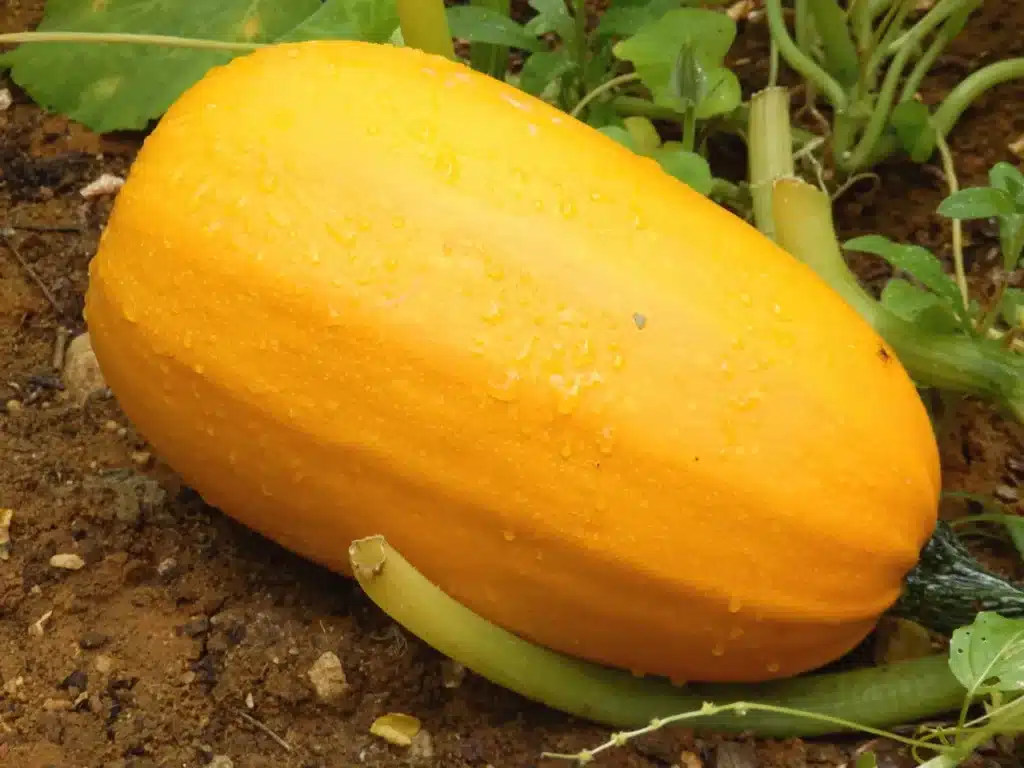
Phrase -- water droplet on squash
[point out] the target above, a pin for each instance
(508, 536)
(773, 667)
(718, 650)
(745, 299)
(567, 208)
(199, 368)
(618, 362)
(735, 604)
(398, 222)
(606, 441)
(735, 633)
(566, 451)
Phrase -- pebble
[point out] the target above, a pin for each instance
(220, 761)
(13, 406)
(56, 705)
(67, 561)
(82, 375)
(103, 664)
(328, 677)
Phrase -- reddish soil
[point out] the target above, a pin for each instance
(185, 637)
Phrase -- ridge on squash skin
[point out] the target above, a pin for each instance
(402, 301)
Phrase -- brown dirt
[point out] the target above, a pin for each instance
(184, 630)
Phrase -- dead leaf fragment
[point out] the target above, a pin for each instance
(396, 728)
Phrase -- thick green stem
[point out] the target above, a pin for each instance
(801, 61)
(424, 25)
(955, 363)
(770, 157)
(487, 57)
(875, 697)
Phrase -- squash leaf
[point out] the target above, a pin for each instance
(370, 20)
(918, 262)
(479, 24)
(627, 18)
(115, 86)
(919, 306)
(689, 167)
(988, 655)
(680, 56)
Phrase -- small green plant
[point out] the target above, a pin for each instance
(868, 60)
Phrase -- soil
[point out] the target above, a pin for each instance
(186, 640)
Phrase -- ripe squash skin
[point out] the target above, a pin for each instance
(351, 289)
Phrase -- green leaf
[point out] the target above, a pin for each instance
(627, 19)
(866, 760)
(479, 24)
(689, 167)
(911, 122)
(371, 20)
(976, 203)
(656, 49)
(645, 135)
(921, 307)
(542, 69)
(916, 261)
(552, 16)
(988, 655)
(1009, 179)
(116, 86)
(722, 95)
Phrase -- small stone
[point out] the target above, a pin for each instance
(82, 375)
(452, 673)
(106, 184)
(6, 100)
(328, 677)
(67, 561)
(220, 761)
(167, 568)
(90, 641)
(13, 406)
(103, 664)
(141, 458)
(250, 702)
(689, 759)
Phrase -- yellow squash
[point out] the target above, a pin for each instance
(352, 289)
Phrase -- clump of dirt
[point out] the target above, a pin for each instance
(141, 628)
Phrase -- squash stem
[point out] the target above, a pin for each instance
(864, 699)
(799, 217)
(947, 588)
(769, 160)
(424, 25)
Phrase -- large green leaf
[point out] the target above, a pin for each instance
(113, 86)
